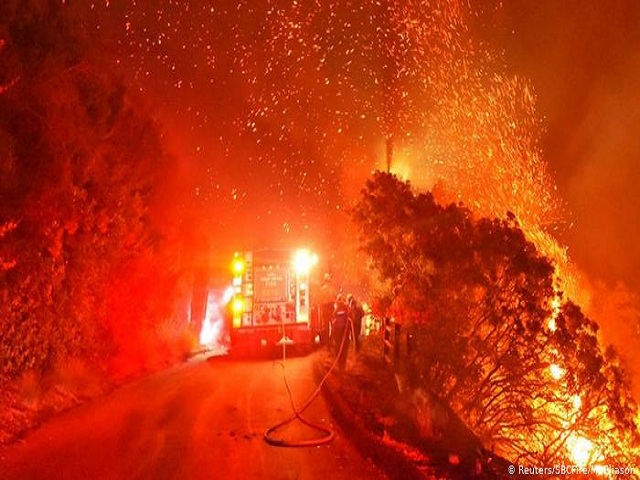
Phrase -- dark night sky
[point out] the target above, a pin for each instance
(582, 58)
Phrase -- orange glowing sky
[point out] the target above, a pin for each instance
(584, 60)
(271, 146)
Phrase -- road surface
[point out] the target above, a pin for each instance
(202, 420)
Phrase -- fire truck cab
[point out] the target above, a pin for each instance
(270, 304)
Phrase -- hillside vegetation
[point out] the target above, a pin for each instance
(89, 244)
(490, 333)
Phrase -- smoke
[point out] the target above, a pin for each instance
(605, 204)
(603, 190)
(617, 311)
(583, 62)
(582, 59)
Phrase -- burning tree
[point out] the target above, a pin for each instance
(494, 336)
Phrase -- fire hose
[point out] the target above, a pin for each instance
(327, 434)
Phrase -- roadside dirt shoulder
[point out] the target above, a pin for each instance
(381, 422)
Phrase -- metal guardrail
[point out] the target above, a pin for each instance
(391, 341)
(393, 345)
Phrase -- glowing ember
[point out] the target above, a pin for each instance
(556, 371)
(581, 450)
(556, 304)
(577, 403)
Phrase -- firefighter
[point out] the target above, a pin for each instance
(326, 299)
(340, 330)
(356, 312)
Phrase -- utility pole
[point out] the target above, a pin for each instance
(389, 146)
(391, 62)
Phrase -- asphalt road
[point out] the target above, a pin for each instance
(202, 420)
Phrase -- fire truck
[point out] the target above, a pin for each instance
(270, 304)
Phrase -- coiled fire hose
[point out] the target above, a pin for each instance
(327, 434)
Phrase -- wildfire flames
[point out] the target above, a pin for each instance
(581, 450)
(479, 145)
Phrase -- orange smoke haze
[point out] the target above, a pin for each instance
(582, 59)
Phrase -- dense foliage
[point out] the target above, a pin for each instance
(87, 263)
(494, 338)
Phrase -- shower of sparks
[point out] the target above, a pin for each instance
(289, 95)
(278, 104)
(283, 98)
(353, 75)
(286, 100)
(281, 103)
(344, 74)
